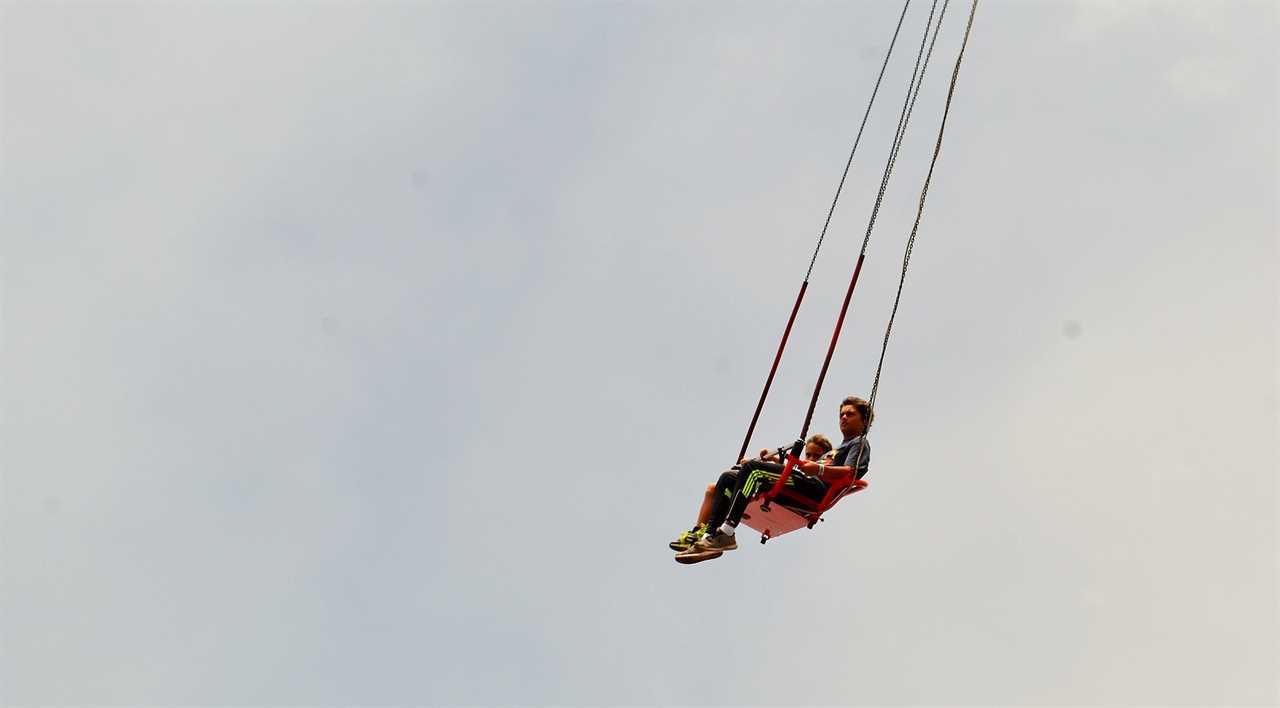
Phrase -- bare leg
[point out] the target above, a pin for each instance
(707, 499)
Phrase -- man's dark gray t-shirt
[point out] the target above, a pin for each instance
(854, 447)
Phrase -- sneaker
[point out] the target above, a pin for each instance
(694, 555)
(686, 540)
(716, 542)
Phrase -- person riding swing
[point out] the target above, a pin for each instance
(853, 456)
(817, 448)
(739, 485)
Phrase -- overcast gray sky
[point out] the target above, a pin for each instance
(370, 354)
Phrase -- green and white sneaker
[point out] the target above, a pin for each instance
(686, 540)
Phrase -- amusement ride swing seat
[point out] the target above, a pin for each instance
(786, 511)
(781, 509)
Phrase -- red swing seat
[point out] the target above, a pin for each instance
(789, 511)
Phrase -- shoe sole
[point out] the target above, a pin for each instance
(691, 558)
(719, 549)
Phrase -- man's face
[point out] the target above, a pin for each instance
(851, 421)
(813, 451)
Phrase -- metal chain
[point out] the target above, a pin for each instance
(904, 117)
(858, 139)
(764, 394)
(924, 193)
(913, 89)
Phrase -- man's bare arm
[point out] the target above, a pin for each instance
(826, 473)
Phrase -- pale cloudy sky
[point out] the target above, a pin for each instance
(369, 354)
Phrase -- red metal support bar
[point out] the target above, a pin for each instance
(774, 370)
(831, 350)
(793, 458)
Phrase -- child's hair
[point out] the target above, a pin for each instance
(822, 441)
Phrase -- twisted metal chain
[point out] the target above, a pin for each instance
(849, 163)
(924, 193)
(904, 117)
